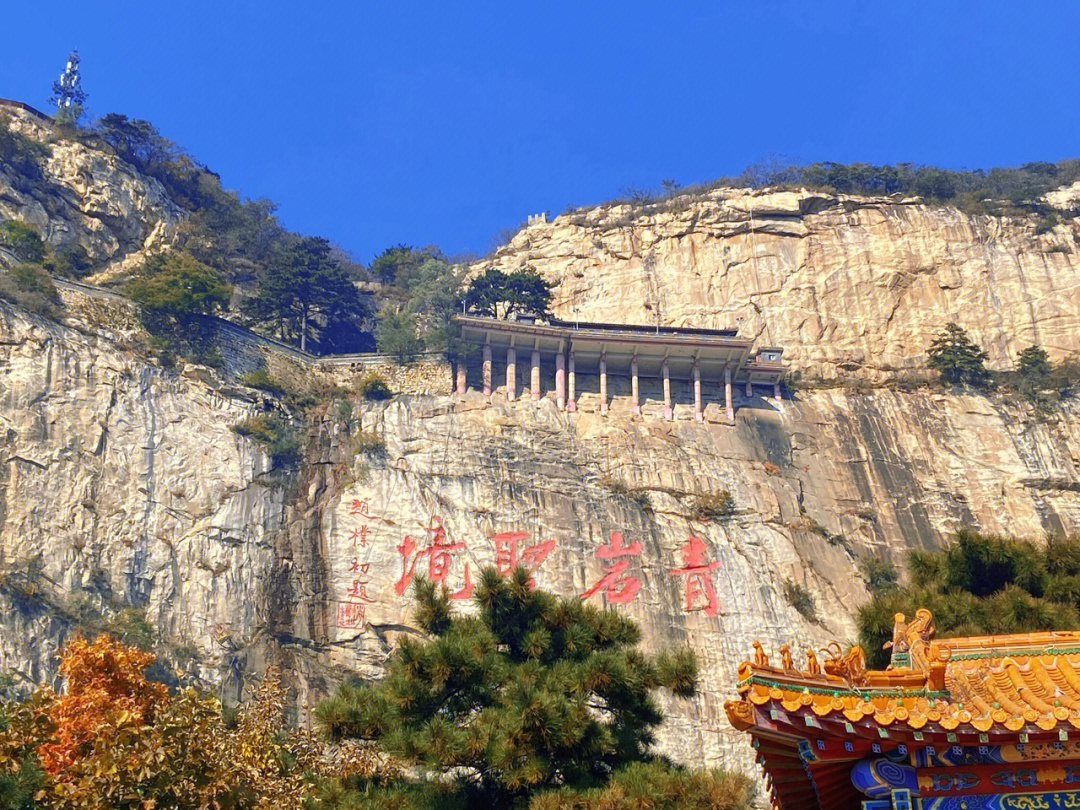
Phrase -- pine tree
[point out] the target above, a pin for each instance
(496, 294)
(981, 585)
(534, 694)
(957, 358)
(1034, 364)
(305, 292)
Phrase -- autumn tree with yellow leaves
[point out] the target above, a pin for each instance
(114, 740)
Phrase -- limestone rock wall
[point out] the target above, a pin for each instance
(846, 285)
(123, 484)
(88, 197)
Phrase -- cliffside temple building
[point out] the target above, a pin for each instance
(606, 360)
(952, 724)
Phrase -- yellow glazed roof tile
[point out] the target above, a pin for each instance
(986, 681)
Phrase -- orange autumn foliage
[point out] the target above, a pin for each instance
(116, 740)
(107, 690)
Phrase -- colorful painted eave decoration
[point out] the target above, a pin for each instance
(1027, 682)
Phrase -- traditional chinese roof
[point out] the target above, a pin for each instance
(975, 690)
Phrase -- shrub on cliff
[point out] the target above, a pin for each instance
(275, 435)
(374, 388)
(22, 241)
(981, 584)
(956, 357)
(802, 600)
(260, 378)
(23, 155)
(30, 287)
(536, 700)
(714, 506)
(175, 292)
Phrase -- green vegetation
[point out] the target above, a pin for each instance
(236, 237)
(801, 599)
(881, 575)
(175, 293)
(714, 506)
(29, 286)
(499, 295)
(1040, 382)
(18, 787)
(981, 584)
(275, 435)
(260, 378)
(395, 265)
(306, 293)
(367, 443)
(129, 625)
(536, 701)
(957, 358)
(396, 335)
(1005, 191)
(344, 410)
(374, 389)
(22, 240)
(68, 261)
(29, 283)
(24, 155)
(421, 295)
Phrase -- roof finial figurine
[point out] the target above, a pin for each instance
(812, 665)
(760, 659)
(786, 661)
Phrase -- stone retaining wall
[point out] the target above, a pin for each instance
(245, 351)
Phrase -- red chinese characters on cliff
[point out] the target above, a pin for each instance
(360, 506)
(440, 553)
(352, 610)
(350, 615)
(509, 556)
(700, 591)
(618, 586)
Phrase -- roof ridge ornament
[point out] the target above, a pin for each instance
(911, 643)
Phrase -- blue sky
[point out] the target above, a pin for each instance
(373, 123)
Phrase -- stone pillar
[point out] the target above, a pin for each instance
(461, 375)
(571, 398)
(697, 391)
(511, 373)
(487, 369)
(603, 384)
(668, 413)
(635, 404)
(560, 380)
(534, 376)
(727, 395)
(776, 390)
(749, 389)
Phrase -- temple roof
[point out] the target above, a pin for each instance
(973, 690)
(981, 681)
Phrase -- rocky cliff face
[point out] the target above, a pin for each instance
(846, 285)
(87, 197)
(123, 484)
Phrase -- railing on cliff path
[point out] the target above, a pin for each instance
(8, 102)
(244, 334)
